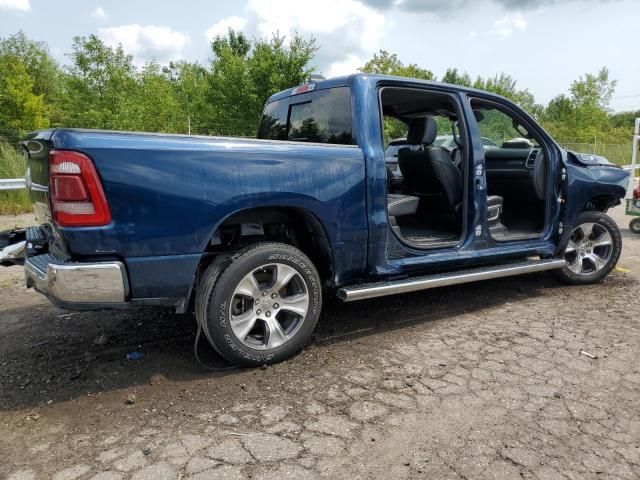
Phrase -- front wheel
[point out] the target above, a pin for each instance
(634, 225)
(593, 249)
(263, 306)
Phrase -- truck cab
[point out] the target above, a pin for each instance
(359, 186)
(456, 177)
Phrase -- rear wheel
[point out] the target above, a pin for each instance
(263, 306)
(634, 225)
(593, 249)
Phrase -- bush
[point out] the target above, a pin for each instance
(12, 165)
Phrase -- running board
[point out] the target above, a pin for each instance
(392, 287)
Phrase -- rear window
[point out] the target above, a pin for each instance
(322, 116)
(273, 125)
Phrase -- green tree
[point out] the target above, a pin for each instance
(584, 116)
(30, 85)
(155, 106)
(38, 62)
(236, 43)
(452, 75)
(191, 84)
(387, 63)
(100, 85)
(594, 90)
(506, 86)
(231, 92)
(21, 110)
(273, 66)
(103, 89)
(625, 119)
(244, 74)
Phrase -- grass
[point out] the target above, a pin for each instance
(12, 165)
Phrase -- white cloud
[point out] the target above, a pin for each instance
(20, 5)
(99, 13)
(147, 42)
(347, 31)
(511, 22)
(351, 64)
(223, 26)
(448, 7)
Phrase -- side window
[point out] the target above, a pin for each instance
(323, 116)
(499, 129)
(273, 125)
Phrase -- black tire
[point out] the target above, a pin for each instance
(217, 293)
(565, 274)
(634, 225)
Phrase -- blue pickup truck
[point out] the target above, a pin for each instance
(252, 234)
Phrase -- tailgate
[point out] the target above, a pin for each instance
(36, 147)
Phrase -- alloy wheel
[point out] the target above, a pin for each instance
(268, 306)
(589, 250)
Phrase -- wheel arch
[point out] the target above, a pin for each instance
(601, 203)
(295, 226)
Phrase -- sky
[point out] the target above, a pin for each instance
(543, 44)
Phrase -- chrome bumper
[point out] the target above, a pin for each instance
(77, 284)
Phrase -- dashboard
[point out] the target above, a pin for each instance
(510, 171)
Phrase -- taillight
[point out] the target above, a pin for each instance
(77, 198)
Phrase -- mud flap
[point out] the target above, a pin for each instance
(12, 247)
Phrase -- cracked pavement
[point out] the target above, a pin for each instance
(485, 380)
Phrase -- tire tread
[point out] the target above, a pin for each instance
(221, 273)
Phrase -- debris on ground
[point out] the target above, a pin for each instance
(587, 354)
(135, 356)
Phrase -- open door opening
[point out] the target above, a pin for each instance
(516, 166)
(425, 156)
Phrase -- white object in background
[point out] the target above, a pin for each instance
(634, 158)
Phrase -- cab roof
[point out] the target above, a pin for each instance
(318, 85)
(374, 77)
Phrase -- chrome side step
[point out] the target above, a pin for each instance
(405, 285)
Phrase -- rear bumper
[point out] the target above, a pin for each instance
(77, 285)
(98, 285)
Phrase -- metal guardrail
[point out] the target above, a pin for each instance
(12, 184)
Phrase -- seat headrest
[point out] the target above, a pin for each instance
(422, 131)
